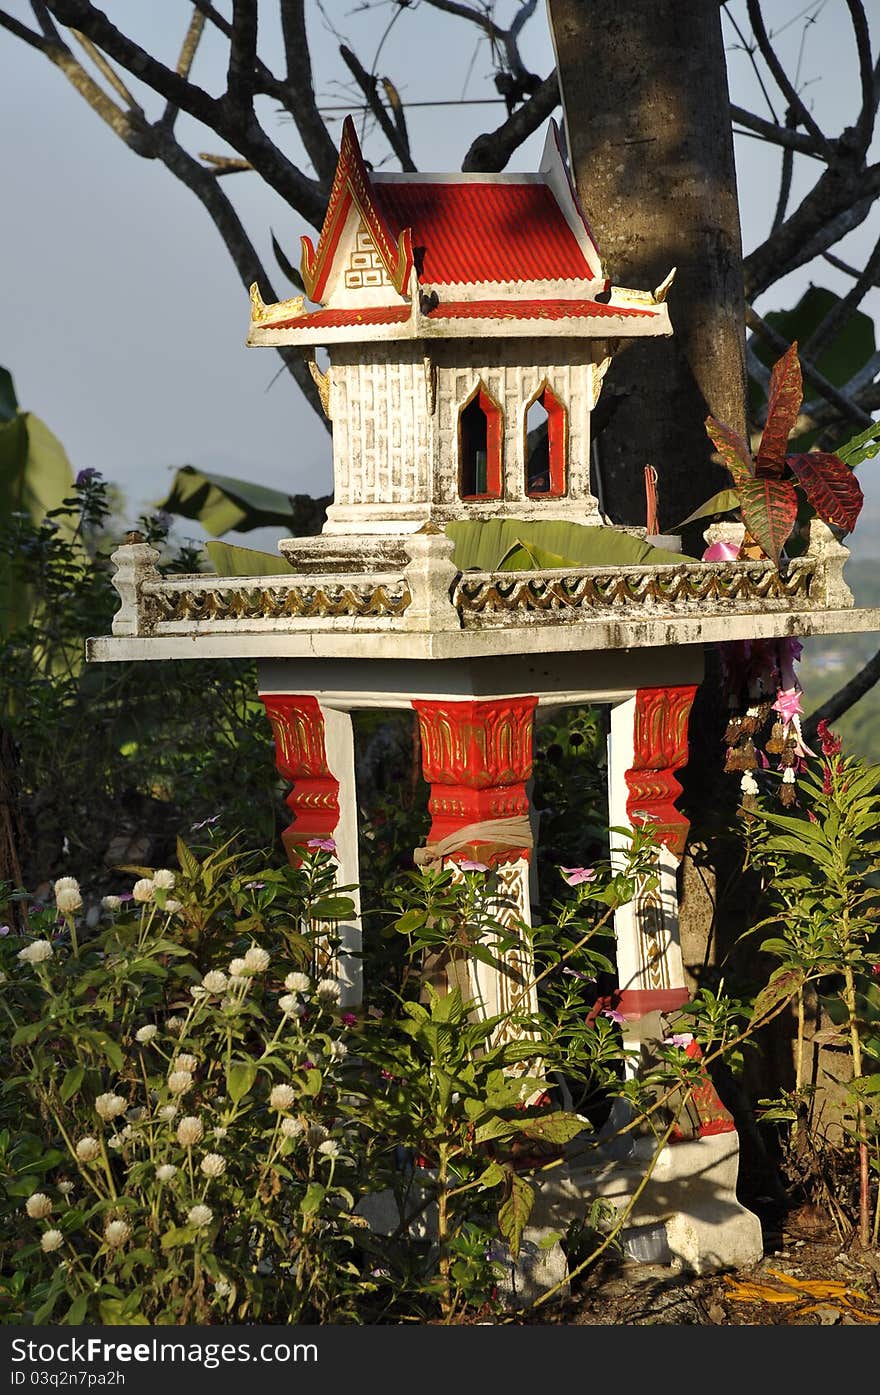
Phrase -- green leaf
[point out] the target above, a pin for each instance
(769, 509)
(332, 908)
(8, 399)
(492, 1175)
(484, 544)
(311, 1202)
(830, 486)
(514, 1212)
(240, 1079)
(723, 502)
(189, 864)
(72, 1081)
(230, 560)
(783, 404)
(784, 983)
(314, 1081)
(75, 1315)
(179, 1235)
(117, 1312)
(864, 446)
(732, 448)
(410, 921)
(553, 1128)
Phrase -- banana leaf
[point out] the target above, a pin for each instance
(511, 544)
(228, 560)
(222, 504)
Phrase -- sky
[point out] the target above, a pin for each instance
(123, 321)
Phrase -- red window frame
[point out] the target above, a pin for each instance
(557, 443)
(494, 444)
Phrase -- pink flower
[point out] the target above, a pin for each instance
(721, 552)
(324, 844)
(831, 742)
(575, 875)
(349, 1019)
(614, 1015)
(466, 865)
(875, 970)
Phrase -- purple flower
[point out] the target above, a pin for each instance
(126, 896)
(324, 844)
(308, 1065)
(614, 1015)
(679, 1039)
(206, 823)
(349, 1019)
(467, 865)
(575, 875)
(86, 476)
(576, 973)
(4, 930)
(254, 886)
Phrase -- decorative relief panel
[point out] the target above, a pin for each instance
(298, 727)
(365, 266)
(660, 748)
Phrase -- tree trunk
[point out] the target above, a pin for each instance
(644, 91)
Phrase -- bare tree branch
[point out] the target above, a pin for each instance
(242, 55)
(491, 152)
(313, 133)
(369, 86)
(185, 62)
(837, 316)
(845, 697)
(107, 71)
(865, 122)
(827, 390)
(840, 200)
(21, 31)
(781, 78)
(249, 139)
(785, 136)
(785, 174)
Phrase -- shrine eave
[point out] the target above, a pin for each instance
(376, 641)
(509, 318)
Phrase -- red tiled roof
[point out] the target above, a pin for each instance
(479, 231)
(533, 310)
(338, 319)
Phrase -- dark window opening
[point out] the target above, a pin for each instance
(480, 448)
(546, 445)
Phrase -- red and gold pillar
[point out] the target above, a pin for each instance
(477, 757)
(314, 751)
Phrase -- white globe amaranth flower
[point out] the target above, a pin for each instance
(164, 878)
(144, 890)
(189, 1130)
(176, 1025)
(38, 1206)
(337, 1051)
(237, 968)
(65, 884)
(68, 899)
(215, 981)
(292, 1128)
(146, 1034)
(119, 1140)
(167, 1112)
(111, 903)
(185, 1061)
(199, 1216)
(172, 907)
(328, 989)
(329, 1148)
(166, 1172)
(223, 1288)
(213, 1165)
(51, 1240)
(180, 1081)
(220, 1132)
(116, 1233)
(65, 1188)
(88, 1149)
(109, 1105)
(297, 983)
(290, 1005)
(2, 976)
(257, 959)
(36, 952)
(282, 1097)
(315, 1135)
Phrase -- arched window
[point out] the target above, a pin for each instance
(479, 447)
(546, 445)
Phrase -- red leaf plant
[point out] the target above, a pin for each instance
(768, 486)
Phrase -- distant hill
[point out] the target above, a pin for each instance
(830, 662)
